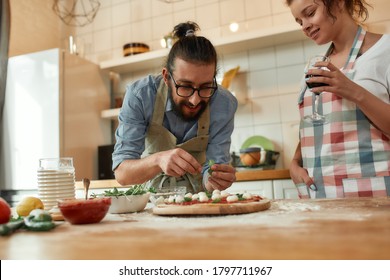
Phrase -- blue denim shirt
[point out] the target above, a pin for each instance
(137, 111)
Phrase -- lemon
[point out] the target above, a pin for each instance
(27, 204)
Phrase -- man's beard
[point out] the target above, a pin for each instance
(178, 108)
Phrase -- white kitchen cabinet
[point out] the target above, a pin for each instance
(285, 189)
(263, 188)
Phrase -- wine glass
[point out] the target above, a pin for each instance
(315, 117)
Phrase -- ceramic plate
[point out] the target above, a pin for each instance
(258, 141)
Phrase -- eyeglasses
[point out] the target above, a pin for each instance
(187, 91)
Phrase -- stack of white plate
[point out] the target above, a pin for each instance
(54, 185)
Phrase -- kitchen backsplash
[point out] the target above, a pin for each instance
(269, 78)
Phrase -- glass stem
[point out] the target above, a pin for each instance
(316, 102)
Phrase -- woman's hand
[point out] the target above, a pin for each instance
(299, 175)
(337, 82)
(222, 177)
(376, 110)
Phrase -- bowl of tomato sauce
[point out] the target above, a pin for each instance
(84, 211)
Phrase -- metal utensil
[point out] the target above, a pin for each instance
(86, 183)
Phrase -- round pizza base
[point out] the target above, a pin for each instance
(212, 208)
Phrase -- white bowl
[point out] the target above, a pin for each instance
(128, 203)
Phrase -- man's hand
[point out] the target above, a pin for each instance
(222, 177)
(177, 162)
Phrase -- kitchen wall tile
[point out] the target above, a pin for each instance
(141, 10)
(289, 78)
(289, 54)
(161, 25)
(262, 59)
(120, 14)
(257, 8)
(184, 5)
(207, 16)
(266, 110)
(290, 133)
(183, 16)
(226, 31)
(239, 135)
(102, 40)
(141, 31)
(289, 107)
(263, 83)
(204, 2)
(244, 115)
(259, 23)
(161, 8)
(210, 33)
(233, 11)
(310, 48)
(121, 35)
(239, 87)
(233, 60)
(102, 19)
(283, 19)
(279, 7)
(382, 27)
(108, 3)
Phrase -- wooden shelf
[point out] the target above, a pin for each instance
(225, 45)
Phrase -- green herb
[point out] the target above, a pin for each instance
(187, 199)
(134, 190)
(211, 163)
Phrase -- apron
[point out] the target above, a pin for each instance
(347, 156)
(158, 139)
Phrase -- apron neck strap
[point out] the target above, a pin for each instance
(355, 49)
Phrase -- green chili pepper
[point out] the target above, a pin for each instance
(8, 228)
(39, 220)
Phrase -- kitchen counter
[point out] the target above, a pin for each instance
(267, 174)
(241, 175)
(290, 229)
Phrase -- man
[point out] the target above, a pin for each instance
(172, 124)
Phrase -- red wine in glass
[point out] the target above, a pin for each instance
(314, 84)
(315, 117)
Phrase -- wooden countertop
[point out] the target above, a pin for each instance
(241, 175)
(290, 229)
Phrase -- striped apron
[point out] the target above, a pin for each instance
(347, 156)
(158, 139)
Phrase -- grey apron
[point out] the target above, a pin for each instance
(158, 139)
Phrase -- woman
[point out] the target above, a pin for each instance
(349, 155)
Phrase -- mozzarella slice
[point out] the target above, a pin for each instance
(216, 196)
(179, 198)
(232, 198)
(247, 195)
(203, 197)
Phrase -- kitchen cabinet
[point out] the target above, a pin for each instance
(261, 38)
(272, 189)
(285, 189)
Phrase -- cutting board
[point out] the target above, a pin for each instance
(211, 208)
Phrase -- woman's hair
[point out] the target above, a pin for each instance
(357, 9)
(189, 47)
